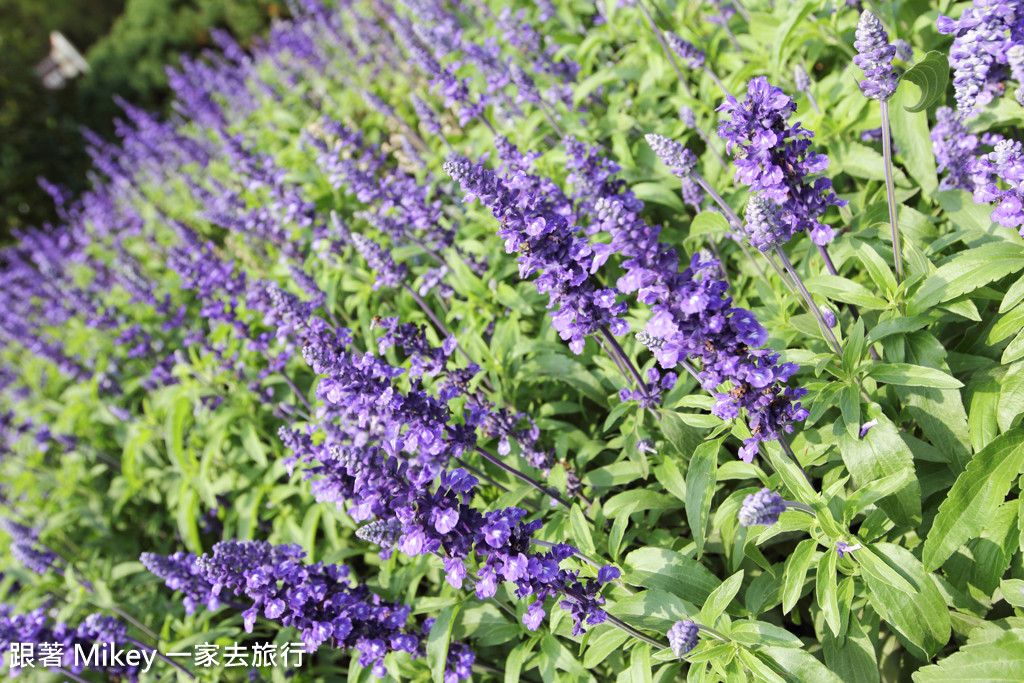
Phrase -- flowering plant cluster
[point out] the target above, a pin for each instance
(539, 341)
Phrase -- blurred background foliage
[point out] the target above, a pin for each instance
(127, 44)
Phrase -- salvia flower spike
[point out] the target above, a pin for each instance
(874, 56)
(764, 507)
(682, 637)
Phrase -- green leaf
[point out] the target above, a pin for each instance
(1013, 591)
(913, 146)
(800, 664)
(840, 289)
(882, 453)
(999, 660)
(581, 530)
(796, 573)
(931, 75)
(965, 272)
(854, 347)
(1011, 396)
(515, 659)
(607, 641)
(909, 375)
(921, 619)
(438, 640)
(827, 591)
(658, 193)
(849, 406)
(640, 664)
(558, 655)
(671, 571)
(700, 488)
(975, 497)
(760, 670)
(631, 501)
(752, 632)
(720, 598)
(709, 222)
(853, 654)
(683, 438)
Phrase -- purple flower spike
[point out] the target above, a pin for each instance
(763, 226)
(875, 58)
(680, 160)
(682, 637)
(982, 37)
(801, 78)
(775, 158)
(691, 55)
(1005, 163)
(761, 508)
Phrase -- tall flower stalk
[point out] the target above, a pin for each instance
(874, 56)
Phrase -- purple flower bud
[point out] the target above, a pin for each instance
(682, 637)
(761, 508)
(679, 160)
(803, 81)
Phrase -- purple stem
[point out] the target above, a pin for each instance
(830, 337)
(526, 479)
(890, 191)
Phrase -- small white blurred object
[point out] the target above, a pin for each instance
(62, 64)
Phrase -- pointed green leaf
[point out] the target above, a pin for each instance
(700, 488)
(975, 497)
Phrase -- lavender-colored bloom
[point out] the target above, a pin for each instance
(426, 115)
(982, 36)
(843, 548)
(957, 151)
(181, 573)
(763, 224)
(682, 637)
(692, 316)
(903, 50)
(26, 549)
(679, 160)
(687, 116)
(33, 629)
(761, 508)
(535, 226)
(1015, 60)
(875, 58)
(801, 78)
(691, 55)
(775, 158)
(866, 427)
(1005, 163)
(319, 600)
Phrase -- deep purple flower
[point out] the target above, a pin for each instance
(775, 158)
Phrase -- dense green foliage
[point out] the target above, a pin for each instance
(910, 459)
